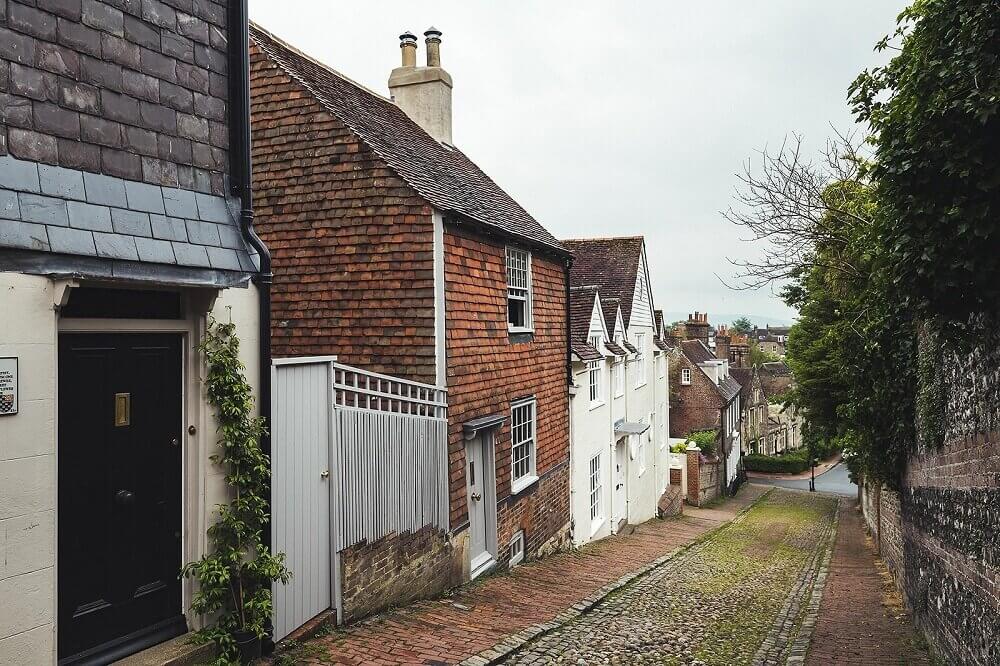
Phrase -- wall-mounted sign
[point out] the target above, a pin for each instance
(8, 386)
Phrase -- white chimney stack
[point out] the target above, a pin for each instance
(423, 93)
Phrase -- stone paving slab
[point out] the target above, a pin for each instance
(489, 619)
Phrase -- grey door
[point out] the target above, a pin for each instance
(475, 474)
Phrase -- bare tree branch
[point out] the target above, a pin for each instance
(788, 208)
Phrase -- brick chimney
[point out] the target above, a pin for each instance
(423, 93)
(722, 340)
(696, 327)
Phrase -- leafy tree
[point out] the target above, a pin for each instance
(743, 326)
(934, 114)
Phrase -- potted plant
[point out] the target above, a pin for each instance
(235, 577)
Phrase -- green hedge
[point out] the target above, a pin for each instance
(792, 462)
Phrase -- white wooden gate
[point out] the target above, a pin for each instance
(301, 425)
(384, 444)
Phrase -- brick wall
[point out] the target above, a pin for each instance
(542, 512)
(941, 531)
(486, 371)
(130, 89)
(694, 406)
(396, 570)
(351, 243)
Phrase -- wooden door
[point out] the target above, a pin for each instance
(475, 475)
(619, 504)
(119, 492)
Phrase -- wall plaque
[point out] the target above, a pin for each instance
(8, 386)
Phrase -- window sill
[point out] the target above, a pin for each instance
(597, 405)
(520, 336)
(639, 386)
(523, 484)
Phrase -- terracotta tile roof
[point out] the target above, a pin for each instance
(610, 307)
(661, 345)
(581, 307)
(586, 352)
(697, 352)
(614, 348)
(610, 263)
(628, 346)
(658, 321)
(443, 175)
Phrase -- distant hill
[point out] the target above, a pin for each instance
(724, 318)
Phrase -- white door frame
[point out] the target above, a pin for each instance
(619, 515)
(486, 439)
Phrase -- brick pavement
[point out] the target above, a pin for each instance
(479, 616)
(855, 625)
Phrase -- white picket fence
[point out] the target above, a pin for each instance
(356, 456)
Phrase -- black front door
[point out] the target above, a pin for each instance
(119, 494)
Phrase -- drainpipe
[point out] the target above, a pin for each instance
(241, 185)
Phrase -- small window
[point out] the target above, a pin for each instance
(596, 508)
(522, 452)
(518, 290)
(618, 370)
(640, 359)
(516, 549)
(685, 376)
(594, 373)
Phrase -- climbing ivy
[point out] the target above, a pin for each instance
(933, 111)
(234, 579)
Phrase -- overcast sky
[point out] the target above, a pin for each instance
(620, 118)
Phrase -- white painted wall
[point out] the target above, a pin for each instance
(28, 474)
(640, 403)
(591, 436)
(29, 330)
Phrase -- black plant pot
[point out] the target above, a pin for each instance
(248, 645)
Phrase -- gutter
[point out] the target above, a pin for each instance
(241, 186)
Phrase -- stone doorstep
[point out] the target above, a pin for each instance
(178, 651)
(313, 626)
(513, 643)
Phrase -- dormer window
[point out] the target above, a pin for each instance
(518, 290)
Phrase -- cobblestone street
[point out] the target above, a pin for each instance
(738, 597)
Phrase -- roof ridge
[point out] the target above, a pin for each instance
(602, 238)
(319, 63)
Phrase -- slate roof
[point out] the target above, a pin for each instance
(729, 388)
(610, 263)
(68, 212)
(777, 368)
(442, 174)
(744, 377)
(661, 345)
(697, 352)
(628, 345)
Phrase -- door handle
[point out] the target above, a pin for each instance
(125, 497)
(476, 497)
(325, 474)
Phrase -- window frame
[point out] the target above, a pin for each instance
(618, 377)
(641, 378)
(594, 378)
(529, 474)
(596, 492)
(685, 376)
(526, 297)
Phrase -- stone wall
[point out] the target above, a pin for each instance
(396, 570)
(704, 478)
(130, 89)
(940, 534)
